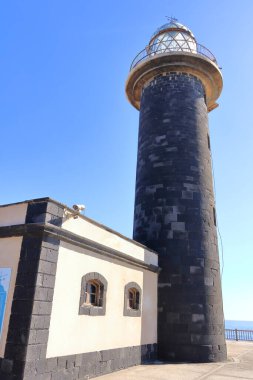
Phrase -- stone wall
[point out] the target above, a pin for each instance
(174, 215)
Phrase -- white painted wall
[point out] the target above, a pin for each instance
(9, 258)
(71, 333)
(14, 214)
(98, 233)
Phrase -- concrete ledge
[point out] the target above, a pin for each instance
(62, 206)
(38, 229)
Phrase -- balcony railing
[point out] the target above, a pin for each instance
(235, 334)
(180, 46)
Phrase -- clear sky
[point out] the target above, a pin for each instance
(68, 132)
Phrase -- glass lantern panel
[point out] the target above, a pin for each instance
(173, 41)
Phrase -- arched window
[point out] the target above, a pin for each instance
(133, 298)
(132, 302)
(93, 294)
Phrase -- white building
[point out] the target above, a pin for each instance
(81, 298)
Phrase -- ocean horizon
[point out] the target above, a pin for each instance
(239, 325)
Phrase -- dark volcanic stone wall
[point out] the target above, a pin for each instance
(175, 215)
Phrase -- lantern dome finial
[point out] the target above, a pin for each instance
(173, 35)
(173, 47)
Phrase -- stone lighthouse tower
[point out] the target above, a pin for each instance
(175, 82)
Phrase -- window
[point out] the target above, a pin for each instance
(208, 142)
(93, 294)
(133, 298)
(214, 217)
(132, 302)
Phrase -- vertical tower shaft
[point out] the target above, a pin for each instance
(175, 82)
(175, 215)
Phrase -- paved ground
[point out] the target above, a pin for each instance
(238, 366)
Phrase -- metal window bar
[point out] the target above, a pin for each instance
(235, 334)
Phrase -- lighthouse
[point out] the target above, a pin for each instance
(175, 82)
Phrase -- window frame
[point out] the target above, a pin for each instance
(88, 308)
(128, 311)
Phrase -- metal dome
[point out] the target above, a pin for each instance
(173, 24)
(172, 36)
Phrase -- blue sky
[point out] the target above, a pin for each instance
(68, 131)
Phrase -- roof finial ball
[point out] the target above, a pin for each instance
(174, 82)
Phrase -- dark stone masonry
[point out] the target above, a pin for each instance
(175, 216)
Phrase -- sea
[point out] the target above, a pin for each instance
(239, 325)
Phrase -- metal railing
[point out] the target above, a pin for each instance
(235, 334)
(159, 48)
